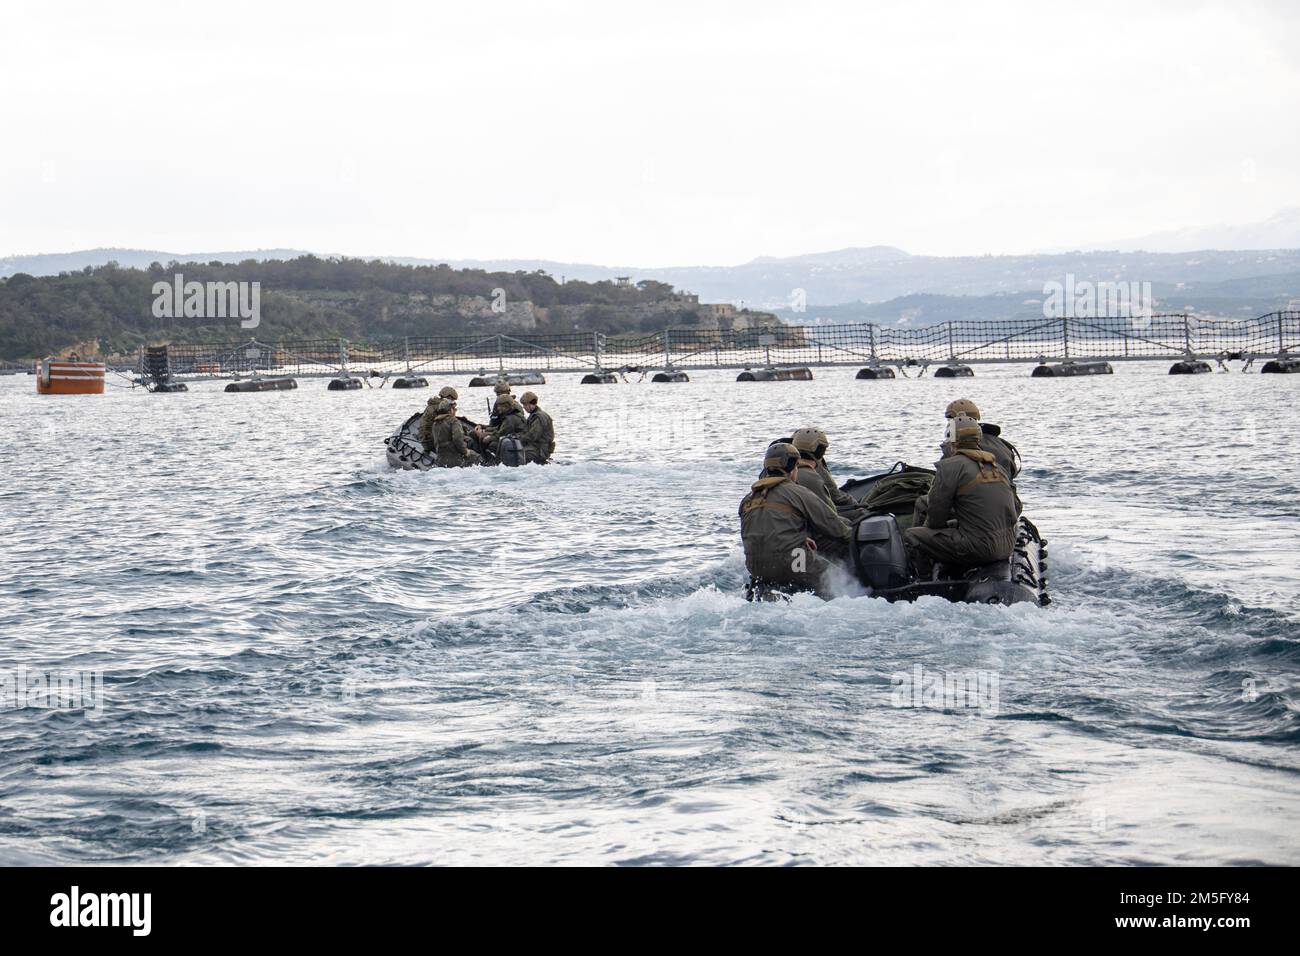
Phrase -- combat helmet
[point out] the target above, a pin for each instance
(528, 398)
(812, 441)
(780, 457)
(964, 432)
(501, 388)
(962, 406)
(448, 392)
(504, 403)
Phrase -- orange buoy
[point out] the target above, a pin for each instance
(66, 377)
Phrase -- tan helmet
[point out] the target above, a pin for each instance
(809, 439)
(963, 406)
(501, 388)
(504, 403)
(528, 398)
(964, 431)
(782, 457)
(448, 392)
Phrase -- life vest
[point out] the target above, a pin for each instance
(989, 472)
(758, 496)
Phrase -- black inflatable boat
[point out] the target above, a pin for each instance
(405, 450)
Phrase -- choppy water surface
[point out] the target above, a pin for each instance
(310, 657)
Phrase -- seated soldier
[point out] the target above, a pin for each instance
(807, 472)
(426, 422)
(972, 492)
(991, 440)
(494, 417)
(539, 435)
(787, 531)
(509, 421)
(448, 434)
(812, 444)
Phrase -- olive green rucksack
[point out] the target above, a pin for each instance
(895, 492)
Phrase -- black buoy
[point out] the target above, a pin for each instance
(509, 378)
(263, 385)
(410, 381)
(343, 384)
(956, 370)
(1283, 365)
(800, 374)
(875, 372)
(671, 377)
(1070, 369)
(1189, 367)
(600, 378)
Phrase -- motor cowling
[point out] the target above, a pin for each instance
(510, 451)
(878, 554)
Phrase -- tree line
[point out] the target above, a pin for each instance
(108, 309)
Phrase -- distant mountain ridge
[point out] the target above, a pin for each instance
(52, 263)
(1279, 231)
(1229, 299)
(854, 275)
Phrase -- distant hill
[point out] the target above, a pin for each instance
(109, 310)
(856, 275)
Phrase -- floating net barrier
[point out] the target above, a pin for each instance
(1161, 336)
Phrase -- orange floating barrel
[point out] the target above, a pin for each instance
(66, 377)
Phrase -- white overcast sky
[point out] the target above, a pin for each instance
(645, 134)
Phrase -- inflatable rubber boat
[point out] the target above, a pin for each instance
(880, 563)
(405, 450)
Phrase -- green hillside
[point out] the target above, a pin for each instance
(109, 310)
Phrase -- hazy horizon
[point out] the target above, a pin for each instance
(692, 135)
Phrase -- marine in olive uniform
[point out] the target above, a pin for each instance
(448, 432)
(991, 440)
(787, 531)
(973, 492)
(509, 419)
(812, 444)
(807, 474)
(426, 422)
(539, 431)
(494, 413)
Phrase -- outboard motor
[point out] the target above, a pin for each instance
(511, 452)
(878, 554)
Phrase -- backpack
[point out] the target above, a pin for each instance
(895, 492)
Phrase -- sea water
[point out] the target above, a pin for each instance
(276, 648)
